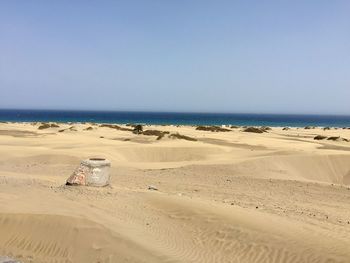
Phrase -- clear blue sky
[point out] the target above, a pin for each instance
(179, 55)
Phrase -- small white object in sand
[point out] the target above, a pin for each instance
(7, 260)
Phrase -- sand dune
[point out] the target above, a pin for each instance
(167, 154)
(324, 168)
(228, 197)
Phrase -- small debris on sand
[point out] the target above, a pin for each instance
(152, 187)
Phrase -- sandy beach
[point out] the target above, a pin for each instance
(234, 196)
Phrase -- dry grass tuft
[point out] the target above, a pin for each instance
(212, 129)
(48, 125)
(182, 137)
(320, 137)
(254, 130)
(338, 139)
(138, 129)
(266, 128)
(116, 127)
(159, 134)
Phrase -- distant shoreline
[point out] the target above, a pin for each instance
(308, 127)
(166, 118)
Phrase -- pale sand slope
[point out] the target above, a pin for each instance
(228, 197)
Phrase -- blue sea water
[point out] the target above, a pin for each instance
(174, 118)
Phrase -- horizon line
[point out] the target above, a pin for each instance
(177, 112)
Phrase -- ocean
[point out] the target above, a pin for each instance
(123, 117)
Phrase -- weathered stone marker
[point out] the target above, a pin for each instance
(91, 172)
